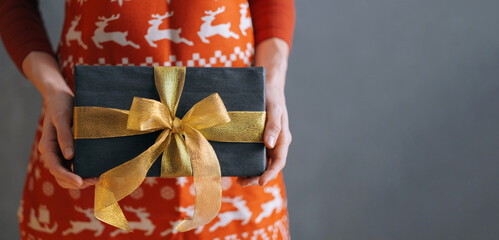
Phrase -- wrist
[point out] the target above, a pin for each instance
(53, 86)
(276, 45)
(274, 88)
(43, 71)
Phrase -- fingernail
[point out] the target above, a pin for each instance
(271, 141)
(68, 152)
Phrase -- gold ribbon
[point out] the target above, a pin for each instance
(192, 156)
(101, 122)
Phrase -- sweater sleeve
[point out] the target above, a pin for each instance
(22, 29)
(273, 18)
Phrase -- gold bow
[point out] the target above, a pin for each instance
(147, 115)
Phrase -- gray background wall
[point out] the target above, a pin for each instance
(394, 114)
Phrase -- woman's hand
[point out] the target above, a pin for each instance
(273, 55)
(57, 137)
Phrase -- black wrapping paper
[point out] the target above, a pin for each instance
(241, 89)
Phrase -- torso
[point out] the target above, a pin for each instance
(146, 33)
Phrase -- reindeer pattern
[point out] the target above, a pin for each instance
(100, 35)
(72, 34)
(242, 213)
(275, 204)
(245, 21)
(92, 225)
(145, 224)
(217, 32)
(209, 30)
(154, 33)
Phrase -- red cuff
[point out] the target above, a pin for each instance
(22, 30)
(273, 18)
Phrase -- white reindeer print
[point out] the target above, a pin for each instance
(154, 34)
(72, 34)
(145, 223)
(207, 30)
(92, 225)
(275, 204)
(189, 211)
(242, 213)
(101, 36)
(172, 229)
(244, 22)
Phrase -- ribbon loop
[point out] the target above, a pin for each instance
(207, 113)
(148, 114)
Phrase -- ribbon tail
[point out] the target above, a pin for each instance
(122, 180)
(207, 178)
(107, 208)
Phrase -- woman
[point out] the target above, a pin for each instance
(56, 203)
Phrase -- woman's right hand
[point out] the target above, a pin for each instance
(57, 137)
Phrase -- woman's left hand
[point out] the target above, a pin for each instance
(273, 55)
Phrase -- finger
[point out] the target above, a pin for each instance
(65, 184)
(48, 135)
(273, 125)
(275, 167)
(285, 125)
(86, 184)
(89, 182)
(71, 185)
(48, 147)
(278, 160)
(247, 181)
(62, 123)
(52, 162)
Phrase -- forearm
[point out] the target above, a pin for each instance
(273, 54)
(43, 71)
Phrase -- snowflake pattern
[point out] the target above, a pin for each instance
(138, 193)
(74, 193)
(167, 193)
(181, 181)
(151, 181)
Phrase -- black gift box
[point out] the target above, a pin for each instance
(241, 89)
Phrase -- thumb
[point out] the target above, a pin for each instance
(64, 135)
(273, 125)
